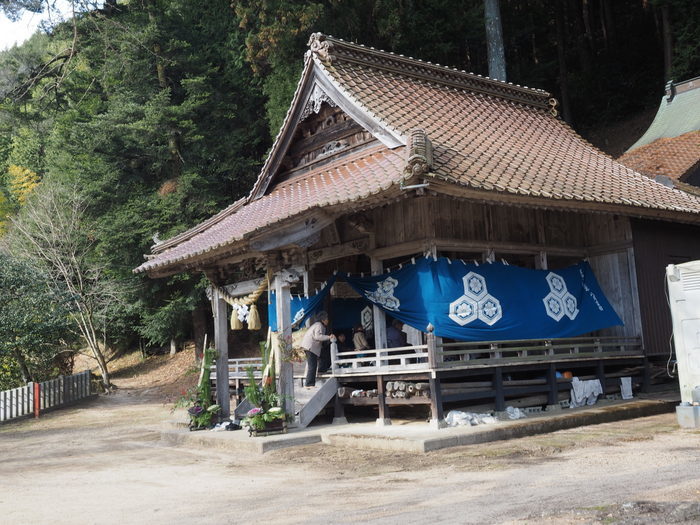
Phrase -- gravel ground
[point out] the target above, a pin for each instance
(102, 462)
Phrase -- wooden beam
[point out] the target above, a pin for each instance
(293, 233)
(457, 245)
(223, 396)
(499, 198)
(238, 258)
(339, 251)
(611, 247)
(242, 288)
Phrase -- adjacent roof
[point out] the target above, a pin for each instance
(679, 113)
(497, 141)
(671, 145)
(673, 157)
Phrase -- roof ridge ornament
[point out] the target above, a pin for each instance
(320, 46)
(670, 91)
(419, 154)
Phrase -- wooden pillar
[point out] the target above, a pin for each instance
(431, 340)
(339, 412)
(500, 398)
(306, 282)
(378, 314)
(221, 325)
(438, 340)
(282, 342)
(437, 419)
(541, 261)
(646, 376)
(383, 419)
(553, 392)
(600, 373)
(334, 356)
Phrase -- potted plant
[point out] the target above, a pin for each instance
(201, 410)
(267, 416)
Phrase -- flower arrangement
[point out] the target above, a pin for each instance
(266, 403)
(257, 418)
(198, 399)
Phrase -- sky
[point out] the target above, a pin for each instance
(17, 32)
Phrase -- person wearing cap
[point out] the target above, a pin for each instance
(312, 343)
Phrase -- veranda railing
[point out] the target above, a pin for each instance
(494, 352)
(441, 355)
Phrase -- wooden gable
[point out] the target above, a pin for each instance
(320, 137)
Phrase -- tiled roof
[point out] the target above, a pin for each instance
(490, 136)
(492, 142)
(353, 178)
(672, 157)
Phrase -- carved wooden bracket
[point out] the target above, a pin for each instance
(289, 276)
(313, 104)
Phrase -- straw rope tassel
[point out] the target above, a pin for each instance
(254, 318)
(236, 323)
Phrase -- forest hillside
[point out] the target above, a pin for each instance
(134, 120)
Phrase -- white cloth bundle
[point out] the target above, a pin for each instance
(584, 392)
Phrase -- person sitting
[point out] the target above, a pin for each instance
(394, 335)
(312, 342)
(343, 346)
(359, 341)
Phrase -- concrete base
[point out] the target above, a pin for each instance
(553, 408)
(237, 441)
(437, 424)
(340, 421)
(422, 437)
(688, 416)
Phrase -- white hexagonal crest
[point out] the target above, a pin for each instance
(474, 285)
(553, 306)
(490, 310)
(556, 284)
(570, 306)
(463, 310)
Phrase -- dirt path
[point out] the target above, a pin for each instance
(103, 463)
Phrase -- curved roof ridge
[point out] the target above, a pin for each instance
(327, 47)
